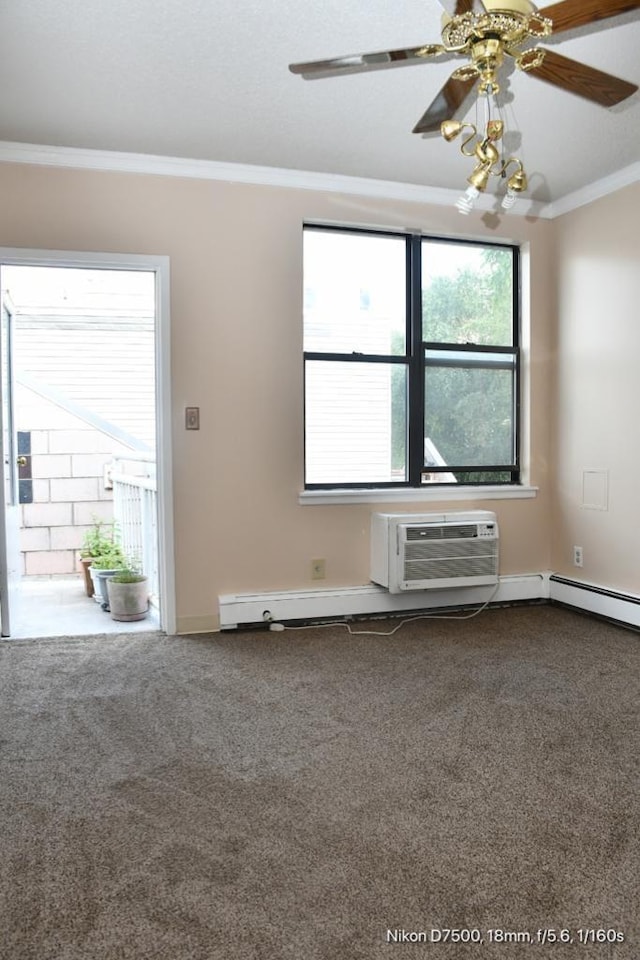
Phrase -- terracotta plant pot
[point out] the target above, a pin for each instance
(85, 563)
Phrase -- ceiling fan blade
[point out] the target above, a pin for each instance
(446, 104)
(360, 62)
(569, 14)
(582, 80)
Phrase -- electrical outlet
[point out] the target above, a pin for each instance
(577, 556)
(318, 569)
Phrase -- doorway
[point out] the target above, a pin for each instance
(85, 438)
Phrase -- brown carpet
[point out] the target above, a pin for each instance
(294, 796)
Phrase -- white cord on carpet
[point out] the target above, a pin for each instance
(389, 633)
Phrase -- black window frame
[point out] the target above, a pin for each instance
(416, 362)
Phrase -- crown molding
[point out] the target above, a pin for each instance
(594, 191)
(142, 163)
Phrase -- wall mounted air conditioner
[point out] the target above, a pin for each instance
(433, 551)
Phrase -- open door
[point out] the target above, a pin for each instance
(11, 562)
(9, 505)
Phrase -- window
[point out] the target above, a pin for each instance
(411, 360)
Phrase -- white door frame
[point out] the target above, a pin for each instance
(10, 508)
(16, 256)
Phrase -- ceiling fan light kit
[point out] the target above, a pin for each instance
(486, 32)
(489, 162)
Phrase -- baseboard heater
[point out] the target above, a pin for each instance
(298, 606)
(623, 608)
(247, 609)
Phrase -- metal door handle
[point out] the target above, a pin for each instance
(21, 461)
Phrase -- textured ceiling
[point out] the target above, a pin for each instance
(209, 80)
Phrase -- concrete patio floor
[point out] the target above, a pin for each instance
(59, 606)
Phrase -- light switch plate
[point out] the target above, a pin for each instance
(192, 418)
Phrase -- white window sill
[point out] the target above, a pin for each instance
(438, 493)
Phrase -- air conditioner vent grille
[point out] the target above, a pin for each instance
(445, 569)
(451, 531)
(443, 549)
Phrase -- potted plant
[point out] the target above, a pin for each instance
(99, 541)
(128, 593)
(102, 569)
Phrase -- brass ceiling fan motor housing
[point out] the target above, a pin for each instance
(486, 38)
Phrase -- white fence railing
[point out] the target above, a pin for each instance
(135, 512)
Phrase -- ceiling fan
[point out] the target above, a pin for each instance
(484, 32)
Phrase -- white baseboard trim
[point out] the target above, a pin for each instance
(249, 608)
(590, 598)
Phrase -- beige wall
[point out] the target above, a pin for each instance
(598, 392)
(236, 303)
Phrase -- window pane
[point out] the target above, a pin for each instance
(355, 417)
(483, 476)
(467, 294)
(354, 293)
(468, 417)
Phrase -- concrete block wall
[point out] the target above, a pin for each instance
(68, 459)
